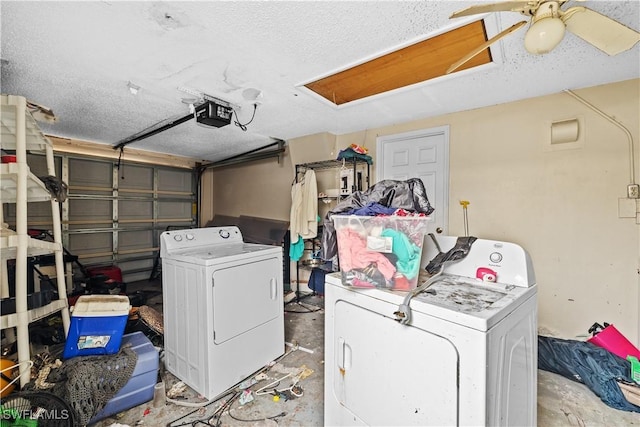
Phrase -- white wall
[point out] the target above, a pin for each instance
(560, 205)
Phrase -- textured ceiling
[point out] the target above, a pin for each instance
(77, 57)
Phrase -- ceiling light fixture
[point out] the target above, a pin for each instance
(133, 88)
(547, 30)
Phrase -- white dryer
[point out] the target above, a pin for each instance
(467, 357)
(223, 306)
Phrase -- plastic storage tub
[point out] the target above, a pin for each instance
(380, 251)
(97, 325)
(140, 387)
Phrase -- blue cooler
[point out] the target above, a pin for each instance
(140, 387)
(97, 325)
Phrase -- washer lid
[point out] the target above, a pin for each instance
(217, 253)
(467, 302)
(470, 302)
(462, 296)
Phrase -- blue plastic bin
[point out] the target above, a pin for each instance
(140, 387)
(97, 325)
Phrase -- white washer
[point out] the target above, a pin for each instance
(468, 356)
(223, 307)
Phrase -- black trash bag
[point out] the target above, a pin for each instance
(586, 363)
(409, 195)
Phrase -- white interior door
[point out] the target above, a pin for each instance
(420, 154)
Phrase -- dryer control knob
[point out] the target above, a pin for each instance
(190, 236)
(177, 238)
(224, 234)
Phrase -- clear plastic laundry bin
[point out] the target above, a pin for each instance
(380, 251)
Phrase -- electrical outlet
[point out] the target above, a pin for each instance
(633, 191)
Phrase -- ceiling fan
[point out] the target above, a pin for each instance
(548, 25)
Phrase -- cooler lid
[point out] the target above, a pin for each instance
(102, 305)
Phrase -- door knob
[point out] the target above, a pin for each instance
(439, 230)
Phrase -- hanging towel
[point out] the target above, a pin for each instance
(309, 211)
(304, 208)
(296, 206)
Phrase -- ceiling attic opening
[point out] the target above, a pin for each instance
(412, 64)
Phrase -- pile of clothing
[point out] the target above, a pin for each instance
(409, 195)
(380, 251)
(603, 372)
(355, 151)
(382, 248)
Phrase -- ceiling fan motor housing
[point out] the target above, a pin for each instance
(547, 29)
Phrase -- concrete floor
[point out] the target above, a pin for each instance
(561, 402)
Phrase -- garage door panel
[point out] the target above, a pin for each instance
(39, 212)
(89, 259)
(100, 192)
(90, 242)
(135, 239)
(90, 210)
(174, 180)
(136, 178)
(90, 173)
(135, 209)
(38, 165)
(174, 209)
(135, 264)
(91, 227)
(115, 216)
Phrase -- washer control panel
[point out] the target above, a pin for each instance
(487, 261)
(193, 238)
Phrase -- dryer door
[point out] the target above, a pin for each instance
(246, 295)
(392, 374)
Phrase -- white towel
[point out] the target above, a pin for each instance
(304, 208)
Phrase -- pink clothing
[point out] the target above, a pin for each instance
(353, 253)
(357, 283)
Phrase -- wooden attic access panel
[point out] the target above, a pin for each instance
(413, 64)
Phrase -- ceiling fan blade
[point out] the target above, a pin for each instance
(484, 45)
(505, 6)
(606, 34)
